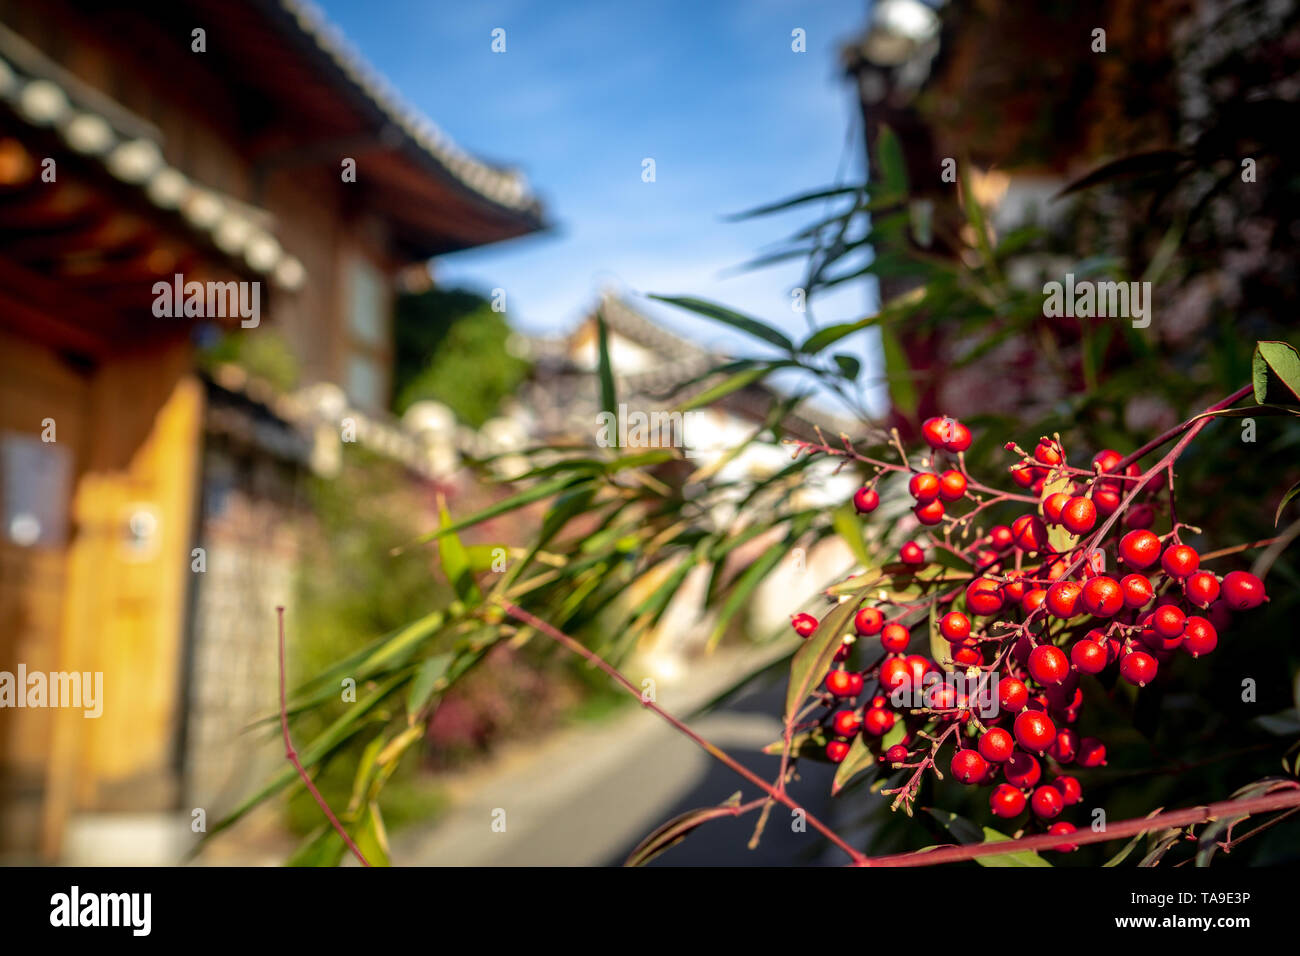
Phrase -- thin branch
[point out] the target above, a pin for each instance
(297, 764)
(774, 793)
(1046, 841)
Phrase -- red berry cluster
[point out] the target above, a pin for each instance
(1037, 611)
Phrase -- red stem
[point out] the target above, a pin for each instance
(1046, 841)
(713, 751)
(293, 756)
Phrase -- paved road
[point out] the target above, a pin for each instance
(588, 796)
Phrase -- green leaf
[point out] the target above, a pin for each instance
(725, 387)
(324, 847)
(902, 390)
(675, 830)
(330, 739)
(813, 659)
(849, 365)
(940, 649)
(1276, 377)
(859, 758)
(892, 164)
(536, 493)
(1286, 498)
(1129, 847)
(426, 679)
(455, 560)
(608, 397)
(1135, 164)
(754, 574)
(968, 833)
(736, 320)
(806, 744)
(848, 525)
(797, 200)
(372, 839)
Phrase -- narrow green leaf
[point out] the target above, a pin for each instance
(725, 387)
(891, 163)
(813, 659)
(967, 833)
(426, 679)
(455, 560)
(1286, 498)
(608, 397)
(736, 320)
(324, 847)
(797, 200)
(536, 493)
(902, 390)
(848, 525)
(858, 759)
(849, 365)
(674, 831)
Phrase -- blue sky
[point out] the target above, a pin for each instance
(712, 91)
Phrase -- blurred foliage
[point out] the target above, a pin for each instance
(263, 353)
(963, 332)
(450, 347)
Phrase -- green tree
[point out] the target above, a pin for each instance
(451, 347)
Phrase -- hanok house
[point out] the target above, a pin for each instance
(134, 149)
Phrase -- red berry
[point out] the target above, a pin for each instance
(1023, 475)
(1061, 828)
(1029, 533)
(1199, 636)
(1092, 753)
(924, 487)
(866, 500)
(1102, 597)
(837, 750)
(1140, 516)
(1168, 621)
(1138, 591)
(1053, 505)
(840, 683)
(1022, 770)
(846, 723)
(968, 656)
(803, 624)
(1063, 598)
(952, 485)
(1106, 500)
(1139, 549)
(1201, 588)
(1071, 791)
(1138, 667)
(1242, 591)
(1048, 452)
(1048, 664)
(1013, 695)
(984, 596)
(1000, 536)
(1079, 515)
(955, 626)
(936, 431)
(912, 553)
(1033, 600)
(1047, 802)
(896, 753)
(1088, 656)
(996, 745)
(1006, 801)
(868, 621)
(1180, 561)
(1107, 459)
(894, 638)
(968, 766)
(958, 437)
(930, 513)
(1066, 746)
(877, 721)
(894, 674)
(1034, 731)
